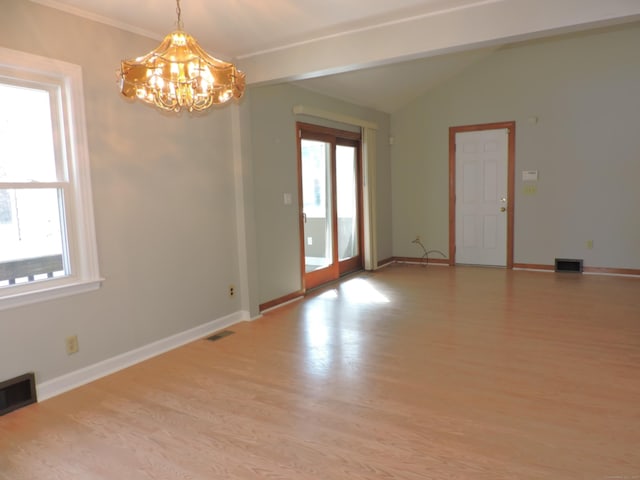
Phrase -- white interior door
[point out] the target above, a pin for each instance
(481, 197)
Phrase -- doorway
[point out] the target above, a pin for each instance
(329, 179)
(481, 194)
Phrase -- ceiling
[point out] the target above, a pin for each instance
(375, 53)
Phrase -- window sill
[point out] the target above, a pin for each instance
(50, 293)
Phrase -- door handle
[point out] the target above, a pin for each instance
(503, 209)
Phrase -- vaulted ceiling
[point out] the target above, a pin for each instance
(376, 53)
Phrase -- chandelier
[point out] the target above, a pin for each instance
(180, 74)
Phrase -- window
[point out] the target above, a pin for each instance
(314, 180)
(47, 238)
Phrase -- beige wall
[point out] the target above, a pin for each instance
(585, 91)
(275, 172)
(164, 201)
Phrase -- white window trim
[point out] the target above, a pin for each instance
(83, 252)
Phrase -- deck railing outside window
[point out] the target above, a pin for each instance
(30, 269)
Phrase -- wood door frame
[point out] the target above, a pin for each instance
(334, 137)
(511, 160)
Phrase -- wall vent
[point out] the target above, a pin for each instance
(569, 265)
(219, 335)
(17, 393)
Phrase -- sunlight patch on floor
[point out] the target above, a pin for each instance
(361, 291)
(357, 291)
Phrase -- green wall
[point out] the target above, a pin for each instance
(275, 172)
(584, 90)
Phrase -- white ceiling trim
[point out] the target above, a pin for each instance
(365, 29)
(79, 12)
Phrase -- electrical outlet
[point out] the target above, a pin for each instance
(72, 344)
(232, 290)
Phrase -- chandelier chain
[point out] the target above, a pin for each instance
(179, 13)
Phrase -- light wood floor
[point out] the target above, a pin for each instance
(407, 373)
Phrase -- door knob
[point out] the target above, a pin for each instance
(503, 209)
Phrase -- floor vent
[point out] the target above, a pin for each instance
(219, 335)
(569, 265)
(17, 393)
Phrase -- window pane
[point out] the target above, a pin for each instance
(316, 198)
(315, 166)
(31, 234)
(26, 135)
(347, 198)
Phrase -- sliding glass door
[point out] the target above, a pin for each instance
(329, 179)
(347, 207)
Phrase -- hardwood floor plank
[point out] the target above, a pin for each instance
(407, 373)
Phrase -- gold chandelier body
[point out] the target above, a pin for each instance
(180, 74)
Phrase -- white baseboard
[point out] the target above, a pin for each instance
(75, 379)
